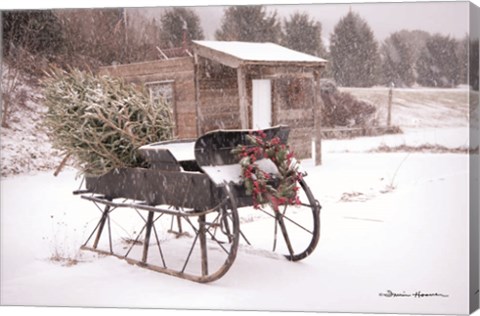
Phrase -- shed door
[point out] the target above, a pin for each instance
(261, 104)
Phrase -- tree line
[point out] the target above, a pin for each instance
(89, 38)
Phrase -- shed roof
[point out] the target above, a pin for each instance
(234, 54)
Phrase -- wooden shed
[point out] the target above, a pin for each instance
(233, 85)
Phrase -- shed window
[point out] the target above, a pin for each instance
(164, 91)
(161, 91)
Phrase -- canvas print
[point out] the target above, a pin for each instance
(317, 157)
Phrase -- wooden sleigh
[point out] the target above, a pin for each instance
(193, 212)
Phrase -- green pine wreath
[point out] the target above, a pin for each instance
(264, 187)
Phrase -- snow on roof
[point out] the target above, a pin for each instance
(259, 52)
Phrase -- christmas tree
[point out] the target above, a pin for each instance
(102, 121)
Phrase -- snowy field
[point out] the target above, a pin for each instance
(393, 221)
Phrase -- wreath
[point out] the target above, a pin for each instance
(275, 189)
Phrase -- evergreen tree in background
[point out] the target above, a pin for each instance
(416, 39)
(37, 32)
(177, 20)
(462, 56)
(249, 24)
(145, 37)
(97, 35)
(30, 41)
(303, 34)
(438, 64)
(354, 52)
(397, 61)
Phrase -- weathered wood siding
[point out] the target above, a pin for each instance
(178, 70)
(218, 97)
(293, 105)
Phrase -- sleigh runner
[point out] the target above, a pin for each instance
(193, 191)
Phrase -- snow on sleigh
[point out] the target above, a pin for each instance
(193, 211)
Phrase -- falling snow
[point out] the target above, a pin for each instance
(390, 222)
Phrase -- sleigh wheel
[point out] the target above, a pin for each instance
(218, 237)
(293, 230)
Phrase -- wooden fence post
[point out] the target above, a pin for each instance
(390, 97)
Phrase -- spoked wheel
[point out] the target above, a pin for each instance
(293, 230)
(218, 237)
(198, 246)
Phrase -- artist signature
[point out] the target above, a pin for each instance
(417, 294)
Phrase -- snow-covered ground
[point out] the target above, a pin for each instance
(410, 239)
(390, 222)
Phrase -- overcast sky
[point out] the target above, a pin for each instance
(449, 18)
(384, 18)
